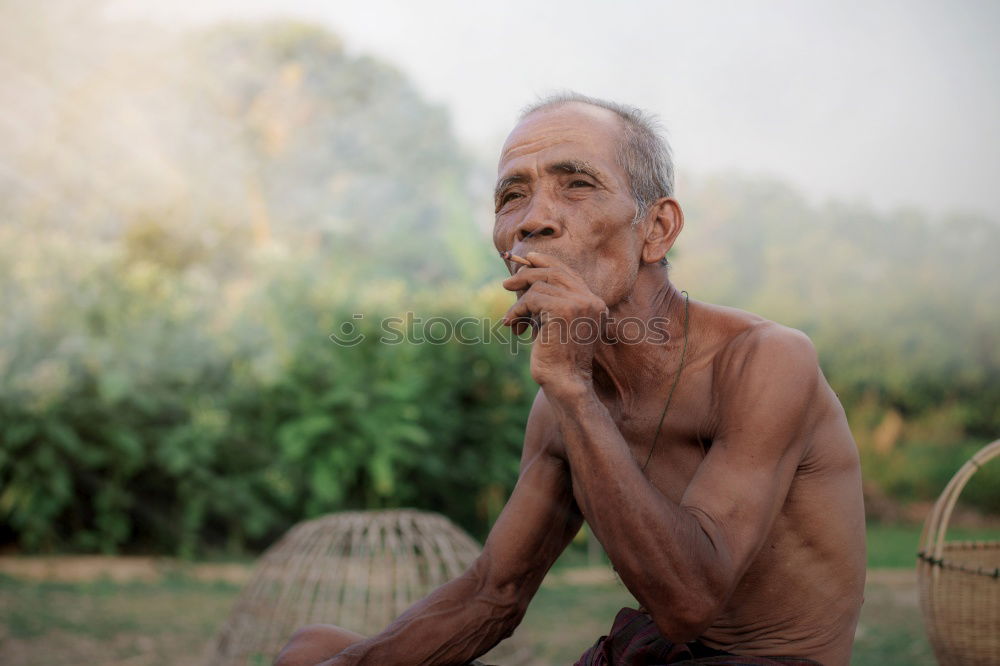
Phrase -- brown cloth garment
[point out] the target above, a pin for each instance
(635, 641)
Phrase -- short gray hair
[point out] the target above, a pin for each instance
(644, 153)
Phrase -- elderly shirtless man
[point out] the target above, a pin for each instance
(709, 456)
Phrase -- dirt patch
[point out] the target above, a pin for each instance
(85, 569)
(901, 578)
(171, 623)
(894, 587)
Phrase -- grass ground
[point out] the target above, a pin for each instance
(896, 545)
(168, 622)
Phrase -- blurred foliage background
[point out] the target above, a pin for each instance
(186, 217)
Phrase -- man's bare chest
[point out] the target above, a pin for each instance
(668, 446)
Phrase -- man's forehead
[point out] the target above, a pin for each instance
(574, 125)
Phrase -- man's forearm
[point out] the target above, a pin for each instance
(642, 530)
(453, 625)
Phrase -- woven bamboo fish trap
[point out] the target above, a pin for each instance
(357, 570)
(959, 581)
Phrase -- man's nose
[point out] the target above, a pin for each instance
(541, 219)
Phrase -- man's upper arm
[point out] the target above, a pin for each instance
(768, 390)
(539, 519)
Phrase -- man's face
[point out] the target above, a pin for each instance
(559, 181)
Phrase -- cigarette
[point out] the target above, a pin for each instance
(506, 254)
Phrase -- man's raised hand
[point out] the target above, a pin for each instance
(570, 319)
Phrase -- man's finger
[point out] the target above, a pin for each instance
(529, 305)
(543, 260)
(520, 325)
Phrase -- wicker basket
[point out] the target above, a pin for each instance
(959, 581)
(357, 570)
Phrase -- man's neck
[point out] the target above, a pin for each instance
(649, 332)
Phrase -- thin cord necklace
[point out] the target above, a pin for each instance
(677, 378)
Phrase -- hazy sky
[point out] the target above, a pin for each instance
(893, 103)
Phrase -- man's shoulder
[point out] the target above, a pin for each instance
(748, 342)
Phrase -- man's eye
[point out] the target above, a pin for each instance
(580, 183)
(509, 196)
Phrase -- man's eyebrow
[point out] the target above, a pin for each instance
(563, 167)
(504, 183)
(575, 166)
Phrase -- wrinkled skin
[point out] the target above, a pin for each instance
(745, 530)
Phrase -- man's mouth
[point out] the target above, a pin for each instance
(516, 261)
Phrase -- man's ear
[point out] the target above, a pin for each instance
(665, 221)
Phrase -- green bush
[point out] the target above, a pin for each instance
(190, 438)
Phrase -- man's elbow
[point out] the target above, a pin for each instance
(686, 624)
(295, 652)
(286, 658)
(506, 597)
(685, 617)
(315, 644)
(694, 600)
